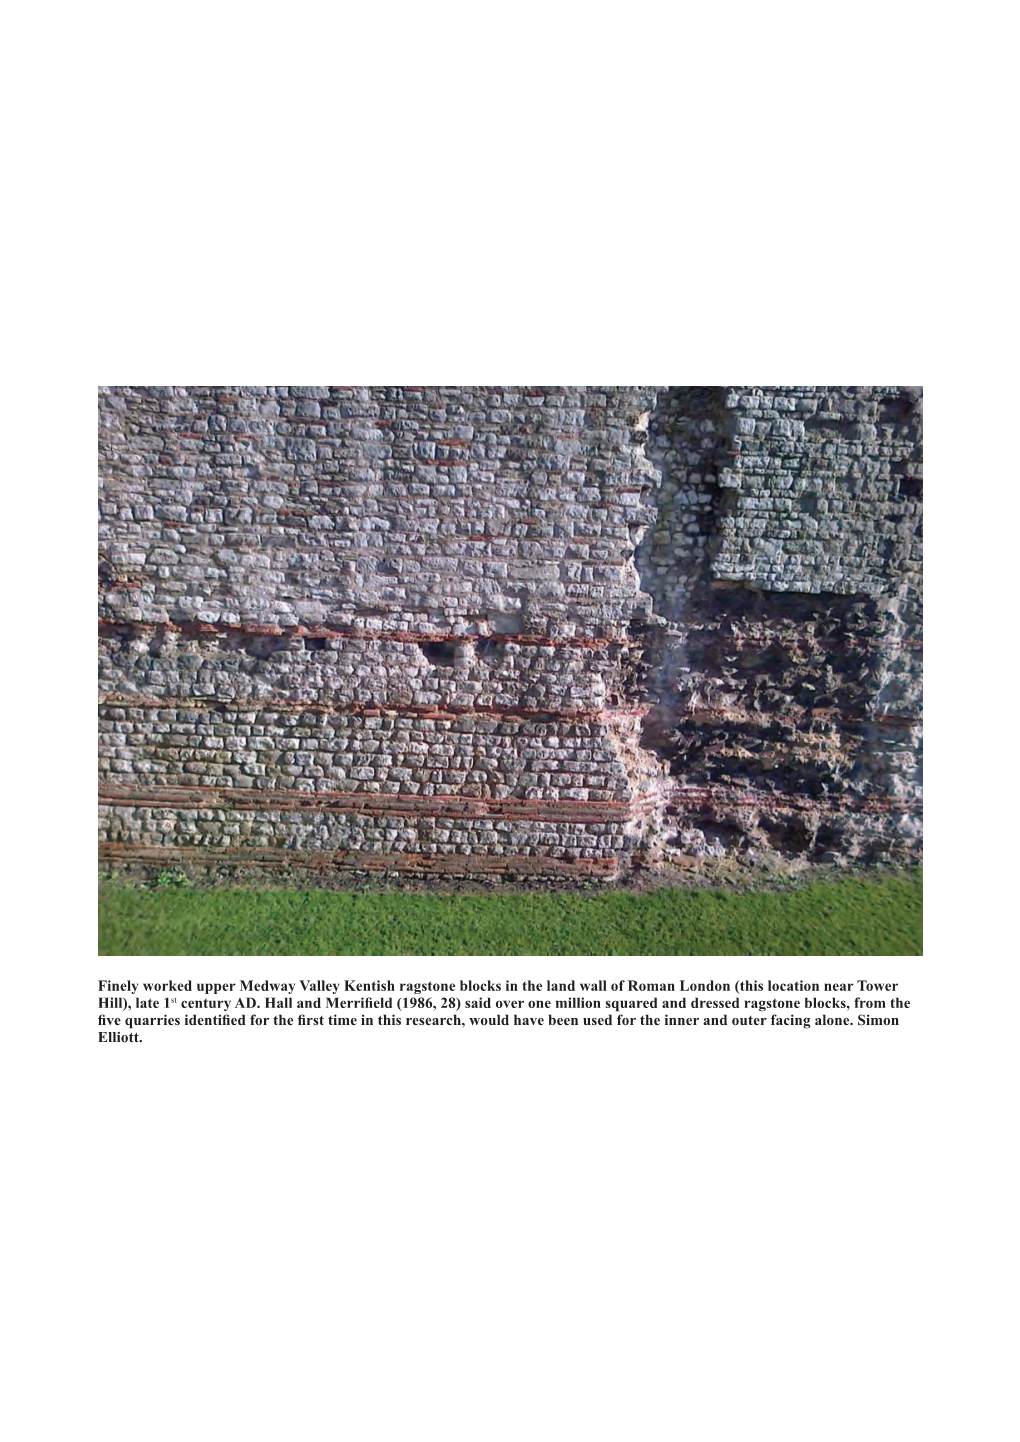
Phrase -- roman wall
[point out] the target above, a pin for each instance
(551, 630)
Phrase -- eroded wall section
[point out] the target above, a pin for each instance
(786, 690)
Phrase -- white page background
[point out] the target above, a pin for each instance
(395, 1234)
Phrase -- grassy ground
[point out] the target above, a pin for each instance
(852, 916)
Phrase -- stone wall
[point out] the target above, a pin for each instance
(554, 630)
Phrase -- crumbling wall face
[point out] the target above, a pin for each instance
(686, 445)
(508, 630)
(786, 684)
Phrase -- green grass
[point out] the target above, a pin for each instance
(853, 916)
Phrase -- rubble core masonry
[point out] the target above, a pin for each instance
(514, 632)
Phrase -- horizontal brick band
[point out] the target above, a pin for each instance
(370, 803)
(351, 633)
(441, 712)
(234, 798)
(113, 701)
(422, 863)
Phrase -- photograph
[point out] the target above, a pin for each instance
(491, 670)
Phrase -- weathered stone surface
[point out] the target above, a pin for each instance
(519, 627)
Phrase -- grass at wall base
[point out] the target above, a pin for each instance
(865, 914)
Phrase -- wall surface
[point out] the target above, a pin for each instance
(548, 630)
